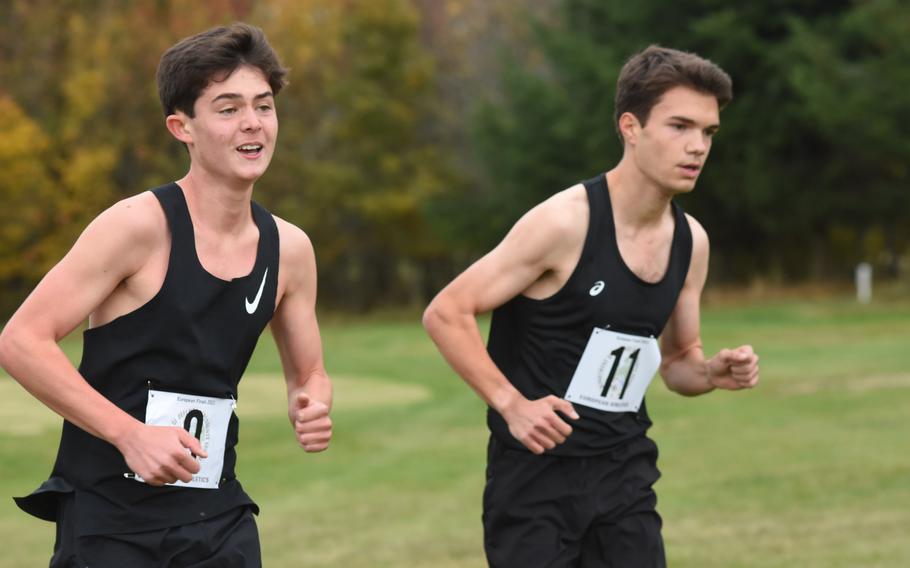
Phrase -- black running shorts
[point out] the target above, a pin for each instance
(560, 512)
(230, 540)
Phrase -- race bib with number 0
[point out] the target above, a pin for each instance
(205, 417)
(614, 371)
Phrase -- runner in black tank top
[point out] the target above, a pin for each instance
(195, 336)
(538, 343)
(580, 289)
(178, 284)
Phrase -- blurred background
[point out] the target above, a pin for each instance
(415, 132)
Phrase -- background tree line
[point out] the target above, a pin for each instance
(415, 132)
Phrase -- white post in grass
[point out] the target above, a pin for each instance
(863, 282)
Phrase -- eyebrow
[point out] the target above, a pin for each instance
(690, 122)
(236, 96)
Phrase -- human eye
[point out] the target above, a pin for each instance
(227, 111)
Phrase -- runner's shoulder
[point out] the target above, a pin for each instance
(134, 221)
(294, 243)
(562, 218)
(700, 240)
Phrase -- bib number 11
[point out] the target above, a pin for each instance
(617, 355)
(614, 371)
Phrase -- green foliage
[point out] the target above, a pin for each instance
(73, 76)
(852, 76)
(359, 160)
(415, 132)
(359, 175)
(818, 119)
(25, 189)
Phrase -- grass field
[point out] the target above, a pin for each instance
(812, 469)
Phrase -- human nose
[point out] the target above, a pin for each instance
(249, 121)
(698, 144)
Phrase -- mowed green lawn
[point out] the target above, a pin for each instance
(812, 469)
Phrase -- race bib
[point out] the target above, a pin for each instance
(204, 417)
(614, 371)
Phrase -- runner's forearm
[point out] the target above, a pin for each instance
(687, 374)
(42, 368)
(459, 341)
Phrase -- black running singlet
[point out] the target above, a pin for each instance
(537, 344)
(195, 336)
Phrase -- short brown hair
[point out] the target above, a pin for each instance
(647, 75)
(187, 68)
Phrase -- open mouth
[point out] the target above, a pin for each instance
(691, 169)
(250, 149)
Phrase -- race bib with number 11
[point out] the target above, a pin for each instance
(614, 371)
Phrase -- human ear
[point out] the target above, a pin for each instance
(178, 124)
(629, 127)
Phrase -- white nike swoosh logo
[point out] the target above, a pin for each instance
(251, 306)
(597, 288)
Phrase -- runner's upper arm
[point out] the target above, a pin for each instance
(294, 324)
(683, 329)
(532, 247)
(112, 247)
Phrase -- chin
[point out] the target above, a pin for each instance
(685, 186)
(250, 174)
(251, 178)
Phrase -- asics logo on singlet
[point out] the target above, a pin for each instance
(251, 306)
(597, 288)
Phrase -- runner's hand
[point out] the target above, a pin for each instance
(161, 454)
(734, 369)
(536, 424)
(312, 423)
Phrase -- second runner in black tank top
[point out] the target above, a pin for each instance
(537, 344)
